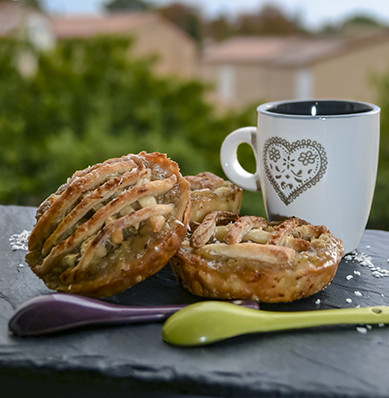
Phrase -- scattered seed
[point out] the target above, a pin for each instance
(19, 241)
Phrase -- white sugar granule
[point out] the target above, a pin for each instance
(358, 293)
(365, 261)
(361, 329)
(317, 302)
(357, 273)
(20, 241)
(349, 300)
(348, 277)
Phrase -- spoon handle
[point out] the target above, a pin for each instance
(272, 321)
(60, 311)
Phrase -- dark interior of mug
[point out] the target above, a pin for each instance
(319, 108)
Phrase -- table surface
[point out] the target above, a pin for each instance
(342, 361)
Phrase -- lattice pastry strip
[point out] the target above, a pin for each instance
(104, 216)
(253, 258)
(210, 192)
(120, 224)
(104, 237)
(59, 204)
(89, 201)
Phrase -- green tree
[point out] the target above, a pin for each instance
(270, 20)
(379, 217)
(219, 28)
(126, 5)
(33, 3)
(185, 17)
(91, 100)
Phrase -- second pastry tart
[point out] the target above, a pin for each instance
(231, 257)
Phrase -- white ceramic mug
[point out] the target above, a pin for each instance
(316, 159)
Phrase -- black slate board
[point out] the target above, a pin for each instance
(134, 361)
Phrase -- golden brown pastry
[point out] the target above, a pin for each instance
(111, 225)
(227, 257)
(209, 193)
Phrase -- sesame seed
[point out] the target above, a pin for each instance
(19, 241)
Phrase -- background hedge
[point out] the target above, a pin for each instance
(90, 99)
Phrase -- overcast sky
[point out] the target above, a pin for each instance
(312, 13)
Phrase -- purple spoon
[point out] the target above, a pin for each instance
(60, 311)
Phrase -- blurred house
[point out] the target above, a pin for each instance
(176, 52)
(249, 69)
(26, 23)
(30, 25)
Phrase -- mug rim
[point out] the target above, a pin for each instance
(265, 109)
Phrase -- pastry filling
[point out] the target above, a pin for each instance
(227, 242)
(126, 205)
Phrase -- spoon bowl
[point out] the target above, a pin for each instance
(209, 322)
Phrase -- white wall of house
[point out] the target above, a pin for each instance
(226, 83)
(303, 84)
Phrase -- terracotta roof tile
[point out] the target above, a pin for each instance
(282, 51)
(90, 25)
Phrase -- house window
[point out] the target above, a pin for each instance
(226, 82)
(303, 84)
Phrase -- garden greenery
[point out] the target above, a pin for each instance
(90, 99)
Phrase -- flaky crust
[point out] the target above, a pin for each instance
(254, 259)
(210, 192)
(111, 225)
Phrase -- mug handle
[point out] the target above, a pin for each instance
(229, 158)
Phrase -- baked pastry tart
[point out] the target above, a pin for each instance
(209, 192)
(231, 257)
(111, 225)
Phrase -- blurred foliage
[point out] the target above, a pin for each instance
(185, 17)
(89, 100)
(269, 20)
(126, 5)
(31, 3)
(379, 216)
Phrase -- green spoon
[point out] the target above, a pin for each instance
(211, 321)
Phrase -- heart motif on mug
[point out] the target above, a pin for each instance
(293, 168)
